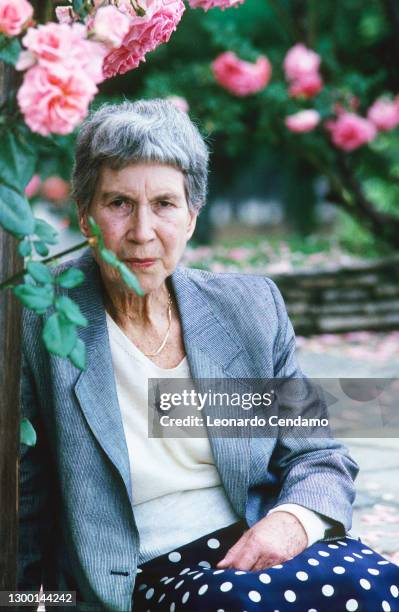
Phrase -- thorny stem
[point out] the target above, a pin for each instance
(91, 241)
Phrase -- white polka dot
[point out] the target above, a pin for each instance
(385, 606)
(254, 596)
(313, 562)
(357, 555)
(239, 572)
(226, 586)
(312, 610)
(178, 585)
(302, 576)
(142, 587)
(290, 596)
(203, 589)
(164, 578)
(350, 559)
(185, 597)
(204, 564)
(373, 572)
(162, 597)
(365, 584)
(198, 575)
(220, 610)
(149, 593)
(323, 553)
(218, 572)
(382, 562)
(139, 570)
(213, 543)
(279, 566)
(394, 590)
(339, 570)
(365, 551)
(344, 544)
(351, 605)
(184, 571)
(334, 546)
(168, 580)
(193, 572)
(327, 590)
(174, 557)
(172, 607)
(265, 578)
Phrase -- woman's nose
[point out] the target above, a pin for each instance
(141, 225)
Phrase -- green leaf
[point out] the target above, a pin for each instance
(96, 231)
(45, 232)
(27, 434)
(40, 272)
(40, 248)
(59, 335)
(15, 213)
(70, 278)
(109, 257)
(130, 279)
(10, 49)
(70, 310)
(34, 297)
(18, 160)
(78, 355)
(25, 248)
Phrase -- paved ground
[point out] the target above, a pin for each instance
(376, 510)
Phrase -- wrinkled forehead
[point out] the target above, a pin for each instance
(142, 180)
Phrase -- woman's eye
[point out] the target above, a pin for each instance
(119, 203)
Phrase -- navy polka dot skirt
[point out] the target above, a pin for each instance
(343, 575)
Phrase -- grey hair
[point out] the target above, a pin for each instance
(117, 135)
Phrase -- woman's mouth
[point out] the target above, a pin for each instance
(140, 263)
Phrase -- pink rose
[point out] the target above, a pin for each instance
(307, 86)
(145, 34)
(300, 62)
(54, 102)
(65, 14)
(54, 188)
(350, 131)
(209, 4)
(66, 47)
(384, 114)
(110, 26)
(304, 121)
(239, 77)
(179, 102)
(14, 15)
(33, 186)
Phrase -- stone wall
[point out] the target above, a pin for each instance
(339, 299)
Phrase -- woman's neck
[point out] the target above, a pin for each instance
(146, 311)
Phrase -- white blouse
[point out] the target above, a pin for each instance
(176, 488)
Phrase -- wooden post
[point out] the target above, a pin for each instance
(10, 358)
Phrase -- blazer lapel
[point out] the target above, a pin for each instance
(95, 388)
(213, 353)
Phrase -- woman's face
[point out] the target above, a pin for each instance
(145, 220)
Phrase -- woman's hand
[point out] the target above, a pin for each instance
(272, 540)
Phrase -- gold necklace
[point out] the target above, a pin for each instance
(164, 341)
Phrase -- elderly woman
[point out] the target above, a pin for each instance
(210, 523)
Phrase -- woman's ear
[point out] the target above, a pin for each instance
(83, 224)
(191, 223)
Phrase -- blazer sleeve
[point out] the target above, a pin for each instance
(33, 491)
(315, 472)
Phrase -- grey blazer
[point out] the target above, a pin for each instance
(77, 526)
